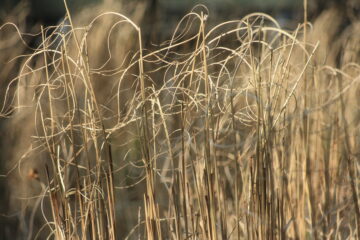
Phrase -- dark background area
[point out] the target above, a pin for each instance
(50, 11)
(166, 13)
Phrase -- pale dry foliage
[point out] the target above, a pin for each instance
(241, 131)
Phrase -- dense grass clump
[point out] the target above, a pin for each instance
(238, 131)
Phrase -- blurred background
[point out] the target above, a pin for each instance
(166, 13)
(287, 12)
(163, 15)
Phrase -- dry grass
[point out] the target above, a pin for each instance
(241, 131)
